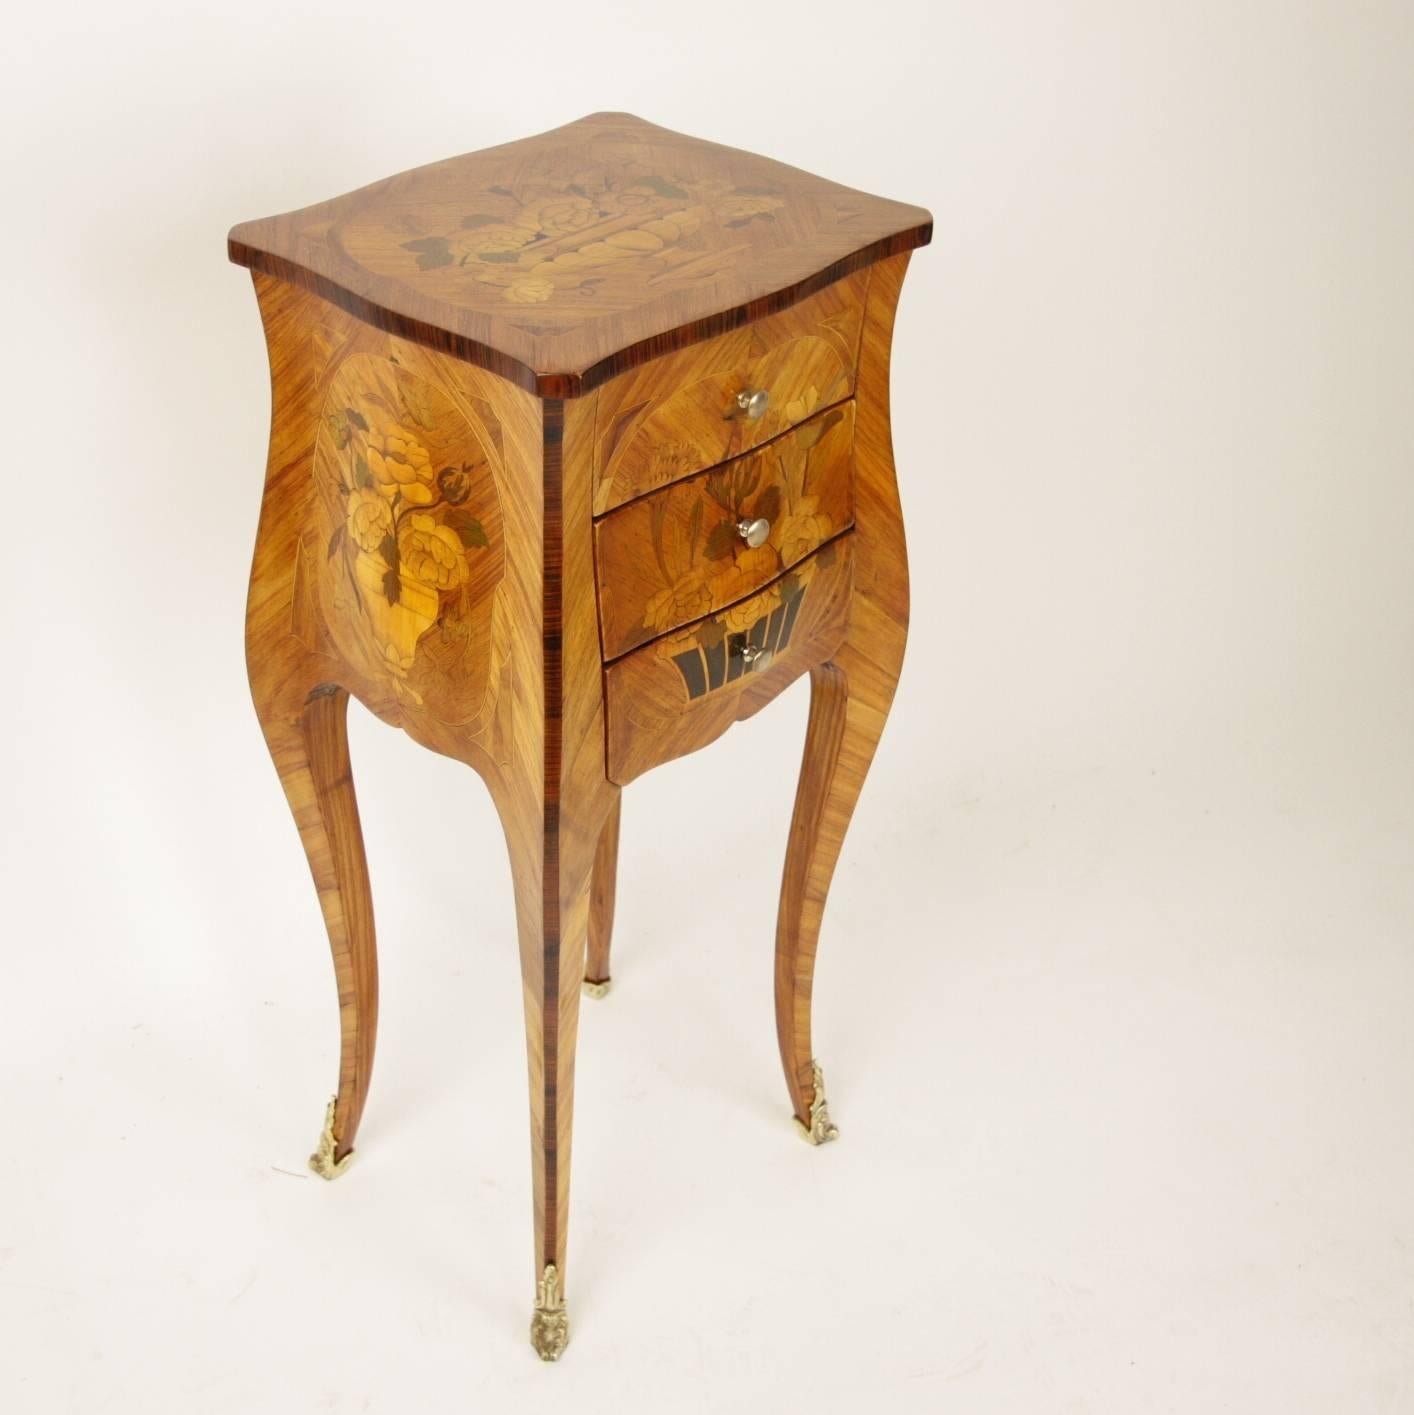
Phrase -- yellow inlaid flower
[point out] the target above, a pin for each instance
(370, 519)
(558, 215)
(743, 208)
(400, 465)
(797, 409)
(744, 574)
(496, 239)
(395, 660)
(430, 554)
(529, 290)
(740, 617)
(397, 626)
(688, 597)
(631, 198)
(800, 532)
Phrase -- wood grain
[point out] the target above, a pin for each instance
(678, 414)
(603, 888)
(851, 692)
(560, 261)
(678, 554)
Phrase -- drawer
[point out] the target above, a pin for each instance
(671, 557)
(678, 414)
(684, 690)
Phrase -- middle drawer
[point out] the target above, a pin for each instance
(701, 544)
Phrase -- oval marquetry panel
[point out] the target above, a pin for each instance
(684, 690)
(405, 538)
(677, 415)
(671, 557)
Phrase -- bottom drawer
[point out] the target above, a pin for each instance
(684, 690)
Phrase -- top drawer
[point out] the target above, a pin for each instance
(681, 413)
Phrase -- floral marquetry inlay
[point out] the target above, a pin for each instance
(407, 527)
(564, 259)
(674, 556)
(554, 242)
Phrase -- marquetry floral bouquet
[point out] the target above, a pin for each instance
(406, 535)
(705, 561)
(554, 238)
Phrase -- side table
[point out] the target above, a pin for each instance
(579, 453)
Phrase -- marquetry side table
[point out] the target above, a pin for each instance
(579, 454)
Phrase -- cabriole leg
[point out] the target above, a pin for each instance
(311, 755)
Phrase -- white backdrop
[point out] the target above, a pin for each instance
(1114, 989)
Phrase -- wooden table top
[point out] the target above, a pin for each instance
(564, 259)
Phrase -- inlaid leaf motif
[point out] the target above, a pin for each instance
(413, 395)
(468, 529)
(663, 187)
(719, 489)
(807, 436)
(431, 251)
(720, 541)
(768, 504)
(443, 648)
(335, 541)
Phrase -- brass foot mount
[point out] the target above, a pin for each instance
(820, 1129)
(549, 1323)
(322, 1161)
(597, 987)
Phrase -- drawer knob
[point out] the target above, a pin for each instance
(754, 533)
(756, 659)
(753, 402)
